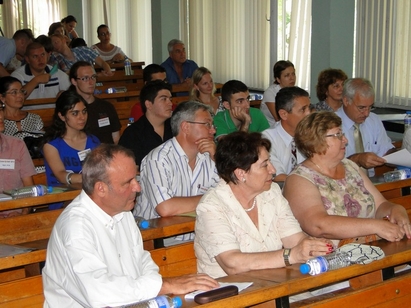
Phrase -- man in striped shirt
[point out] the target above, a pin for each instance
(177, 173)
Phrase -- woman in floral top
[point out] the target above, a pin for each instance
(330, 196)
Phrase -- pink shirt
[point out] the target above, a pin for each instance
(15, 164)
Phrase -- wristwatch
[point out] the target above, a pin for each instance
(286, 255)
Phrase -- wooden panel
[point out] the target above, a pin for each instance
(175, 260)
(27, 292)
(385, 294)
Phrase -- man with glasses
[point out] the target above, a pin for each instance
(367, 139)
(177, 173)
(38, 78)
(238, 115)
(102, 121)
(292, 104)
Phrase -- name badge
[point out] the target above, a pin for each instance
(201, 190)
(103, 122)
(7, 164)
(83, 154)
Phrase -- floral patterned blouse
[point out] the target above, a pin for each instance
(343, 197)
(323, 106)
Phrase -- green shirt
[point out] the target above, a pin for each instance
(225, 124)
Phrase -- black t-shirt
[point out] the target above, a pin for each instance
(141, 138)
(102, 120)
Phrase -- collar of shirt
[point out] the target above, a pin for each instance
(107, 220)
(284, 135)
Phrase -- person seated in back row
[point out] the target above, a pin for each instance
(238, 115)
(35, 75)
(150, 72)
(108, 52)
(154, 127)
(179, 69)
(66, 57)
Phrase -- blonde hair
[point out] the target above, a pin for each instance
(196, 78)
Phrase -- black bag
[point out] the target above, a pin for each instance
(34, 146)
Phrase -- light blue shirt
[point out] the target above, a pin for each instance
(374, 136)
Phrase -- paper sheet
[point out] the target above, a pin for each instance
(400, 158)
(240, 285)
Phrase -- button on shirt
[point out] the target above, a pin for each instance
(280, 153)
(374, 136)
(95, 260)
(165, 173)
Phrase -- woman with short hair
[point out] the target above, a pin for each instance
(331, 196)
(244, 223)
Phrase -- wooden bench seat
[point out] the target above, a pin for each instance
(26, 292)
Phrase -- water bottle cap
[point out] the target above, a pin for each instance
(305, 268)
(177, 302)
(144, 224)
(49, 189)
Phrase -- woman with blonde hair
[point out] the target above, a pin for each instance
(203, 89)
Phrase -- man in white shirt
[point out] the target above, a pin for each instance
(358, 99)
(292, 104)
(176, 174)
(37, 77)
(95, 255)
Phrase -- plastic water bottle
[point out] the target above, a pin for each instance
(162, 301)
(397, 175)
(31, 191)
(141, 222)
(130, 121)
(407, 120)
(325, 263)
(127, 67)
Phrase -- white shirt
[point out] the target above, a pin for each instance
(165, 173)
(59, 81)
(223, 225)
(269, 96)
(374, 136)
(280, 153)
(95, 260)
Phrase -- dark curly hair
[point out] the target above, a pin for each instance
(326, 78)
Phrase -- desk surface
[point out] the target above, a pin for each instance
(288, 281)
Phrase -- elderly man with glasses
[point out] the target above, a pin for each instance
(102, 121)
(177, 173)
(367, 139)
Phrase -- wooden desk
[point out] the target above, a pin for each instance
(289, 281)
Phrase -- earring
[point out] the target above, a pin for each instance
(243, 180)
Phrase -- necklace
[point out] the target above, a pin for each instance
(317, 165)
(252, 207)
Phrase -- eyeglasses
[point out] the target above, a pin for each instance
(16, 92)
(207, 124)
(339, 135)
(88, 78)
(104, 34)
(363, 109)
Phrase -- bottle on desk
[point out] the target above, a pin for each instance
(325, 263)
(407, 120)
(31, 191)
(141, 222)
(127, 67)
(397, 175)
(162, 301)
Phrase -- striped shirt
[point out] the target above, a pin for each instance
(165, 173)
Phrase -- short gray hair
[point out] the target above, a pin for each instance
(186, 112)
(361, 86)
(173, 42)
